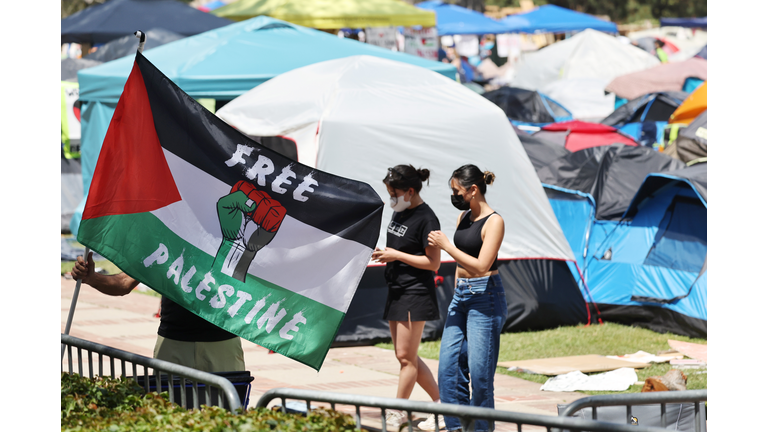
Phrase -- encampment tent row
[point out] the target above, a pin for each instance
(430, 121)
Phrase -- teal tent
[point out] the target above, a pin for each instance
(219, 64)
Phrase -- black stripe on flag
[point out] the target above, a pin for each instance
(339, 206)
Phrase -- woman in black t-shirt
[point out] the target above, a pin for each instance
(411, 264)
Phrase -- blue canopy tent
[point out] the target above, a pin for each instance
(220, 64)
(555, 19)
(684, 22)
(456, 20)
(117, 18)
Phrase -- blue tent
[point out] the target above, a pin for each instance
(684, 22)
(117, 18)
(220, 64)
(456, 20)
(647, 268)
(555, 19)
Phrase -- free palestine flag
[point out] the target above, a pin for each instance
(254, 242)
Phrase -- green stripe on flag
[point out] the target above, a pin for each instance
(256, 310)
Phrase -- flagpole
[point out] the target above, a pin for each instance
(74, 303)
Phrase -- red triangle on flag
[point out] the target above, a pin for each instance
(131, 175)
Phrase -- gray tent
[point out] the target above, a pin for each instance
(691, 142)
(128, 44)
(70, 66)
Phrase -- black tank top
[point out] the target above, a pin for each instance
(468, 237)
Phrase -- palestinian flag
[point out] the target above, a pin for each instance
(254, 242)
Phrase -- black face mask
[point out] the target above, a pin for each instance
(459, 203)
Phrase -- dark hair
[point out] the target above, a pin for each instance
(404, 177)
(469, 175)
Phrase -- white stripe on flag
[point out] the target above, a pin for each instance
(301, 258)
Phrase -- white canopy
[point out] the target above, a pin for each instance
(359, 115)
(588, 54)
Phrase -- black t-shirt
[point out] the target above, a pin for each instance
(180, 324)
(407, 232)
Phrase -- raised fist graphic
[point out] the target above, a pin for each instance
(249, 219)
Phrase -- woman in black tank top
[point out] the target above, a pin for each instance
(470, 342)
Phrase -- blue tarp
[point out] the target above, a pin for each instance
(555, 19)
(456, 20)
(684, 22)
(117, 18)
(220, 64)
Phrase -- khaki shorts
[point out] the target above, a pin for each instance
(222, 356)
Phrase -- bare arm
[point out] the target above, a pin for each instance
(492, 238)
(113, 285)
(429, 261)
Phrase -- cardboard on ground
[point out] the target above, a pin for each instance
(563, 365)
(692, 350)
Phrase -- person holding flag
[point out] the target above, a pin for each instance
(476, 315)
(411, 299)
(217, 224)
(182, 337)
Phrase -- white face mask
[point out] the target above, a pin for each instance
(399, 204)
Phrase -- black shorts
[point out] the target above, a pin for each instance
(402, 305)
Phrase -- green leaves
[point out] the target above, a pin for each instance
(107, 404)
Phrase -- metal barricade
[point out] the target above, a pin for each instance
(466, 414)
(633, 399)
(160, 370)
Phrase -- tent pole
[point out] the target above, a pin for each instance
(72, 306)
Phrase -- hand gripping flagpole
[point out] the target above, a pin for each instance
(72, 306)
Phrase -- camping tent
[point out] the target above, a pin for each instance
(644, 260)
(611, 174)
(117, 18)
(555, 19)
(650, 270)
(357, 116)
(456, 20)
(588, 54)
(690, 145)
(331, 14)
(221, 64)
(644, 118)
(577, 135)
(70, 66)
(664, 77)
(527, 107)
(692, 106)
(540, 151)
(584, 98)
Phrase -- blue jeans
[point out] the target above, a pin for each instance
(469, 349)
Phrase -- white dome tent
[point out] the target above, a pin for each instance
(588, 54)
(359, 115)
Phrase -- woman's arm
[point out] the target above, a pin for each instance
(429, 261)
(494, 234)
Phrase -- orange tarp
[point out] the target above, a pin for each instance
(694, 105)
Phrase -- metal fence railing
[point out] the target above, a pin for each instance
(466, 414)
(111, 361)
(661, 399)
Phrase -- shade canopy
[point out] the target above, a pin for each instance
(684, 22)
(331, 14)
(227, 62)
(456, 20)
(117, 18)
(555, 19)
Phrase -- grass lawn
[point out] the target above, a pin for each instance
(605, 339)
